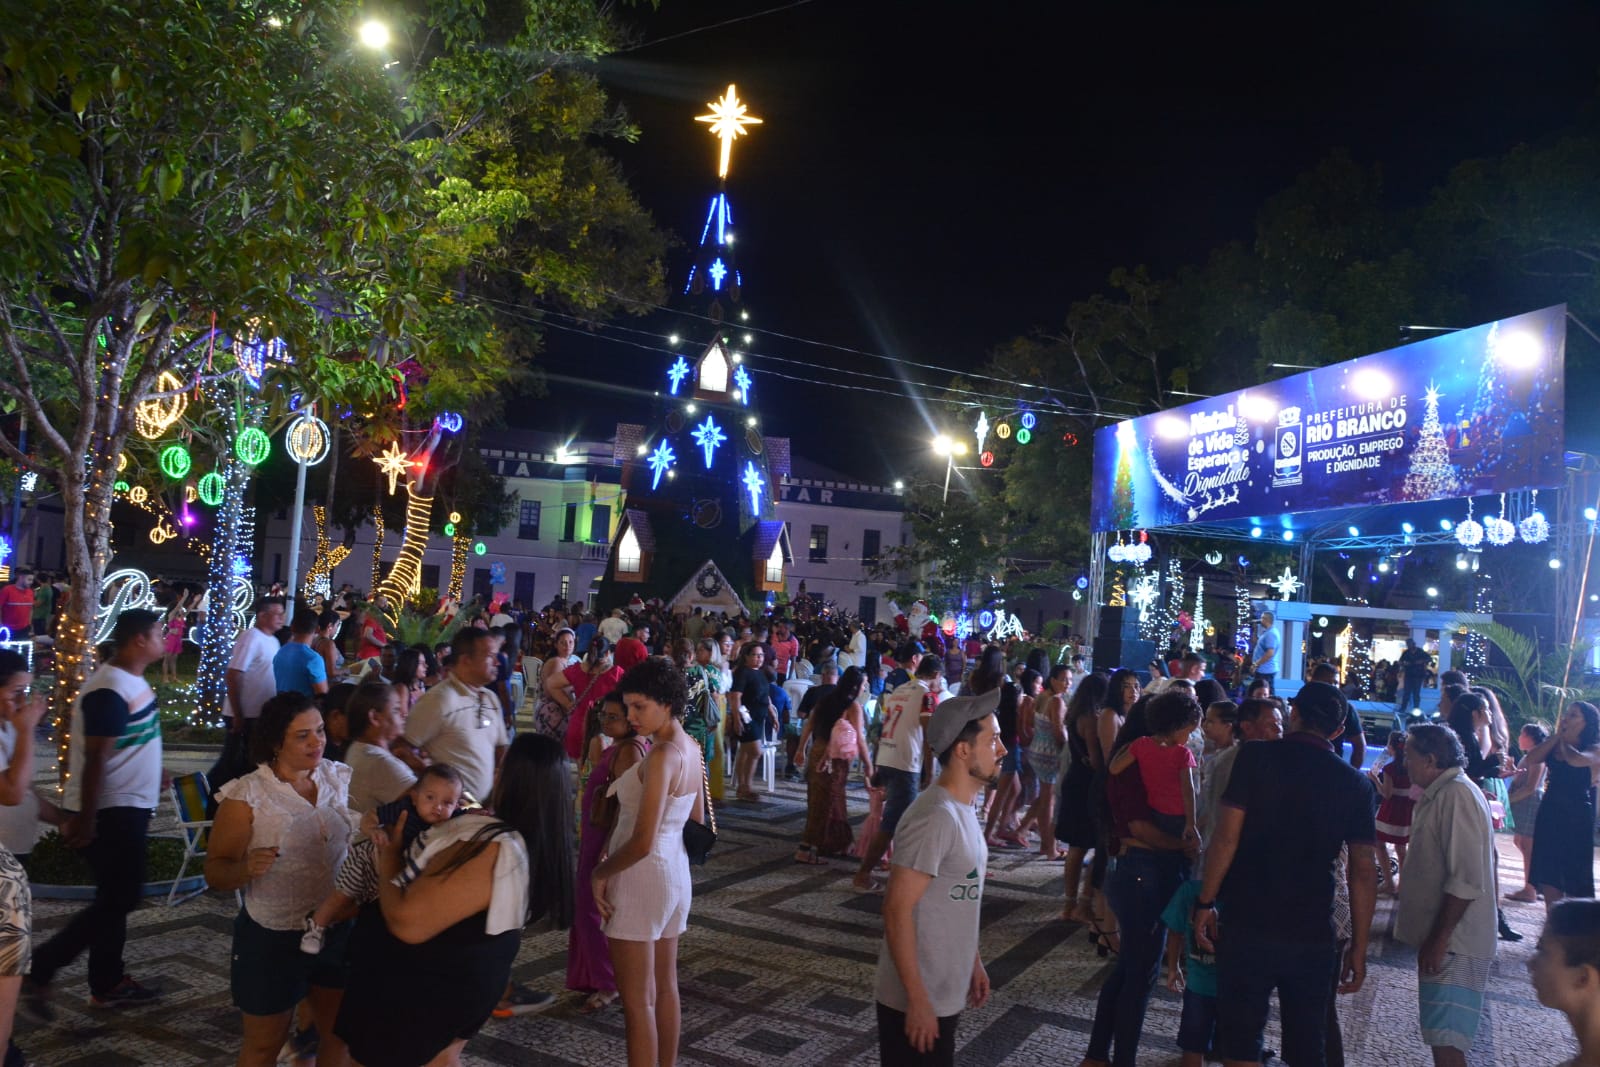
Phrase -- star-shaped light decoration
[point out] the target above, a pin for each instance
(30, 481)
(718, 271)
(741, 378)
(393, 463)
(1146, 590)
(728, 120)
(677, 373)
(752, 484)
(982, 430)
(661, 461)
(1287, 584)
(708, 435)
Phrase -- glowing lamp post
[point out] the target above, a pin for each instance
(308, 442)
(946, 446)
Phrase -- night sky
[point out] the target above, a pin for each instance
(933, 179)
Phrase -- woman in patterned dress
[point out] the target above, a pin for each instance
(16, 781)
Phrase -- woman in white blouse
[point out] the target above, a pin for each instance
(280, 834)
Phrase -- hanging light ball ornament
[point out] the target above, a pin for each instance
(1139, 553)
(1117, 553)
(1469, 533)
(1535, 528)
(175, 461)
(154, 417)
(1498, 532)
(455, 516)
(210, 488)
(252, 447)
(480, 548)
(308, 440)
(138, 494)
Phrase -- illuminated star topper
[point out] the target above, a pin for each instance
(728, 120)
(677, 373)
(660, 461)
(393, 462)
(708, 435)
(752, 484)
(1287, 584)
(718, 273)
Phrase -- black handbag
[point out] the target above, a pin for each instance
(698, 837)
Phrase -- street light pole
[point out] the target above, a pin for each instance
(949, 448)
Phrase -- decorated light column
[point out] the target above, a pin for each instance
(308, 442)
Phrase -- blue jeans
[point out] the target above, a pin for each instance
(1138, 887)
(1410, 694)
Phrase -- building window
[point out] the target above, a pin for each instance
(819, 544)
(775, 563)
(566, 587)
(600, 523)
(482, 587)
(569, 524)
(867, 608)
(528, 520)
(629, 558)
(430, 576)
(523, 588)
(870, 546)
(714, 371)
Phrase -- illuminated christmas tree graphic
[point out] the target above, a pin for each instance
(1431, 475)
(1124, 513)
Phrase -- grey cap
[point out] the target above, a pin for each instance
(953, 714)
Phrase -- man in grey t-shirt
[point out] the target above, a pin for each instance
(929, 967)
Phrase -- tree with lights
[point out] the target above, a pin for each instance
(1431, 475)
(134, 227)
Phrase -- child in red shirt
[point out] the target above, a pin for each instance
(1166, 765)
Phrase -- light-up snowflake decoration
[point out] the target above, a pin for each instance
(677, 373)
(753, 483)
(1287, 584)
(708, 435)
(661, 461)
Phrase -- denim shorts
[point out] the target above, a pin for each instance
(271, 975)
(1197, 1029)
(899, 790)
(1011, 762)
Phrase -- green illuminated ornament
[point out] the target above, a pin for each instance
(175, 461)
(120, 487)
(252, 447)
(1024, 436)
(480, 548)
(210, 488)
(449, 529)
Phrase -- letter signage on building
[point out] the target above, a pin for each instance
(1464, 414)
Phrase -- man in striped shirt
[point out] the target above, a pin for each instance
(113, 787)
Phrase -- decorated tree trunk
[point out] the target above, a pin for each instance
(216, 638)
(87, 535)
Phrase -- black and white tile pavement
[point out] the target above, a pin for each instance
(777, 969)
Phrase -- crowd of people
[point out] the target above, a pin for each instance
(385, 812)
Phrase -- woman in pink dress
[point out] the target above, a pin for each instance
(588, 955)
(177, 624)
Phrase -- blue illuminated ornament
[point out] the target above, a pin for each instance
(963, 626)
(741, 378)
(1029, 420)
(661, 461)
(985, 619)
(449, 421)
(708, 435)
(752, 484)
(677, 373)
(718, 272)
(5, 550)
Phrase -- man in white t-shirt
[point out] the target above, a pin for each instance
(615, 628)
(459, 721)
(250, 680)
(929, 968)
(901, 764)
(113, 787)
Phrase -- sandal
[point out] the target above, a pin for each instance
(597, 1002)
(807, 855)
(1106, 942)
(1069, 906)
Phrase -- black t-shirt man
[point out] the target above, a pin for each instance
(1415, 662)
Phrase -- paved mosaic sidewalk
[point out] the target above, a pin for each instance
(777, 969)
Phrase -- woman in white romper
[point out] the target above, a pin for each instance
(642, 886)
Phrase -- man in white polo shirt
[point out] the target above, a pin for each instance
(902, 762)
(459, 721)
(250, 680)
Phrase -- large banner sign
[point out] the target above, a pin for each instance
(1463, 414)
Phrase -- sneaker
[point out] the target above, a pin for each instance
(126, 991)
(311, 940)
(522, 1001)
(35, 1001)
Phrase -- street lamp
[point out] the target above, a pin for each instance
(948, 447)
(374, 34)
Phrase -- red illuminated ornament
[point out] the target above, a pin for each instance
(987, 459)
(1070, 438)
